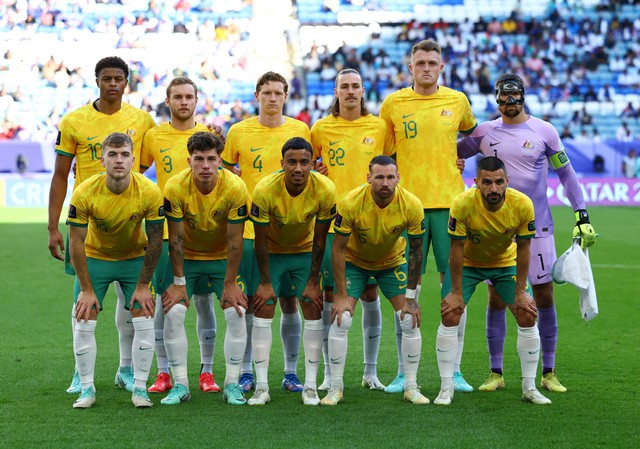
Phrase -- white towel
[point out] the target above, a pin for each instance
(574, 267)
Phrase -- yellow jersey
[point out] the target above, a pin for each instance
(257, 149)
(82, 131)
(376, 241)
(347, 146)
(205, 217)
(115, 220)
(425, 130)
(291, 220)
(490, 235)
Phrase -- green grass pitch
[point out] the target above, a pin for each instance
(596, 360)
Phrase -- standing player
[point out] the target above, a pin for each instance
(483, 224)
(80, 136)
(292, 210)
(528, 145)
(166, 145)
(425, 120)
(107, 244)
(346, 140)
(255, 144)
(206, 208)
(369, 243)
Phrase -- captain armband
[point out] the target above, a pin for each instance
(559, 160)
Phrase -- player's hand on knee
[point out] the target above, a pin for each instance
(173, 295)
(412, 307)
(525, 304)
(583, 229)
(314, 293)
(142, 295)
(85, 302)
(264, 293)
(338, 307)
(233, 295)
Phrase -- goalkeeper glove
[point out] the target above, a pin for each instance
(583, 230)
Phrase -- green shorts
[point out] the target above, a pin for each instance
(503, 279)
(392, 281)
(327, 268)
(289, 274)
(163, 276)
(250, 273)
(207, 276)
(104, 272)
(436, 223)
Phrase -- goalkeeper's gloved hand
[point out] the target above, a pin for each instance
(583, 230)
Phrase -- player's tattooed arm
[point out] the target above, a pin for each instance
(152, 253)
(176, 246)
(415, 261)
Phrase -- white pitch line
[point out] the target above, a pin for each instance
(605, 265)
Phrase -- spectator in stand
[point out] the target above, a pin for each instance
(623, 133)
(629, 111)
(629, 164)
(566, 133)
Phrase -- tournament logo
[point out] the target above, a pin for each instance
(161, 211)
(338, 222)
(452, 224)
(72, 211)
(58, 138)
(167, 206)
(242, 211)
(531, 226)
(255, 210)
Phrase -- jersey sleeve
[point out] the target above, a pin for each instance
(415, 223)
(315, 140)
(78, 210)
(457, 225)
(146, 153)
(173, 205)
(230, 156)
(327, 210)
(468, 122)
(385, 115)
(66, 142)
(343, 224)
(239, 210)
(260, 207)
(155, 209)
(527, 228)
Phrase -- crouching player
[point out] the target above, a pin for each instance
(483, 224)
(107, 244)
(368, 243)
(206, 208)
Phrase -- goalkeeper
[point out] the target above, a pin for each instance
(528, 145)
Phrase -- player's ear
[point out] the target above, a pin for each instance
(102, 160)
(282, 163)
(189, 161)
(369, 177)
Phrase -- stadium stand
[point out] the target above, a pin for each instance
(577, 56)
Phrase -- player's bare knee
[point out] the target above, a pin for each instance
(452, 318)
(288, 304)
(370, 293)
(543, 295)
(310, 311)
(266, 311)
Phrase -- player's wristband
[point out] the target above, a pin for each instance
(179, 280)
(410, 293)
(582, 217)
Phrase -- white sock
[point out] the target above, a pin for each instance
(124, 324)
(338, 345)
(326, 325)
(371, 330)
(290, 331)
(446, 350)
(396, 319)
(461, 328)
(158, 325)
(73, 324)
(143, 346)
(206, 326)
(261, 346)
(85, 350)
(247, 359)
(411, 347)
(176, 343)
(235, 341)
(312, 351)
(529, 352)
